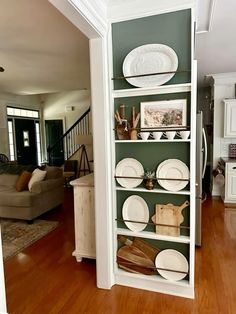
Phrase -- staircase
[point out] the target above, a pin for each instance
(67, 142)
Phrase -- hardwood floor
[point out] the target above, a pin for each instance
(45, 278)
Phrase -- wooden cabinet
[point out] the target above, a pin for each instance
(230, 118)
(229, 193)
(84, 216)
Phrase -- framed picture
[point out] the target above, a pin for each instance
(163, 114)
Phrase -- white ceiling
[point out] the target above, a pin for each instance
(216, 49)
(43, 52)
(40, 49)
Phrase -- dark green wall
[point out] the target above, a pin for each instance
(172, 29)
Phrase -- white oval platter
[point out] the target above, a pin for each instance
(150, 58)
(136, 209)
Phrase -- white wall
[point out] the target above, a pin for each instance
(31, 102)
(223, 87)
(54, 106)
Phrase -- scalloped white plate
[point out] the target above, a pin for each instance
(151, 58)
(129, 167)
(173, 169)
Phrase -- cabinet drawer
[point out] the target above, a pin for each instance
(231, 166)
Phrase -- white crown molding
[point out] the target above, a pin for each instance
(210, 16)
(93, 11)
(221, 78)
(139, 9)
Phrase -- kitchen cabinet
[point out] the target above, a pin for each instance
(152, 152)
(229, 189)
(230, 118)
(84, 217)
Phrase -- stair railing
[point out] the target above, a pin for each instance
(67, 142)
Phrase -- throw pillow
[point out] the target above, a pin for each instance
(23, 180)
(37, 176)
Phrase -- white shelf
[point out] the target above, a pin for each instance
(156, 90)
(153, 235)
(154, 283)
(152, 278)
(182, 192)
(153, 141)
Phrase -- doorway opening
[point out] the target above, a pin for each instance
(53, 132)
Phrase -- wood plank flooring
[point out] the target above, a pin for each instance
(45, 278)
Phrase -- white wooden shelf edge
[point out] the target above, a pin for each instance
(142, 91)
(154, 283)
(152, 141)
(153, 235)
(182, 192)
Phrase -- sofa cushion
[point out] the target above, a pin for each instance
(37, 176)
(8, 179)
(46, 185)
(11, 197)
(23, 181)
(53, 172)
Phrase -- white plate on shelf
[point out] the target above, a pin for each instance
(151, 58)
(129, 167)
(173, 169)
(136, 209)
(174, 260)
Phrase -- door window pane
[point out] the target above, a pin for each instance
(26, 138)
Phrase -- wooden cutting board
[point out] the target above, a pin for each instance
(142, 245)
(169, 214)
(132, 259)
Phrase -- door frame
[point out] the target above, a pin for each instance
(90, 18)
(45, 154)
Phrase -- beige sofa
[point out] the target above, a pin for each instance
(27, 205)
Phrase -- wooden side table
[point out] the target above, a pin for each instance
(84, 214)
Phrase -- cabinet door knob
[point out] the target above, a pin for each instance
(234, 168)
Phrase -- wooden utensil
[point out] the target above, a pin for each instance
(133, 268)
(169, 214)
(142, 245)
(136, 120)
(122, 111)
(134, 259)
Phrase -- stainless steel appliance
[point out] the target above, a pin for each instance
(201, 161)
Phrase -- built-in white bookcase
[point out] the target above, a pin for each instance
(175, 29)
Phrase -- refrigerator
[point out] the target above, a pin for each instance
(201, 161)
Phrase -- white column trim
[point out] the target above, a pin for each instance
(102, 162)
(3, 306)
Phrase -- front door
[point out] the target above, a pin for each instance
(54, 130)
(26, 149)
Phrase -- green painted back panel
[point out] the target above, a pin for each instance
(172, 29)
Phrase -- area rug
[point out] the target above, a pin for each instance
(17, 234)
